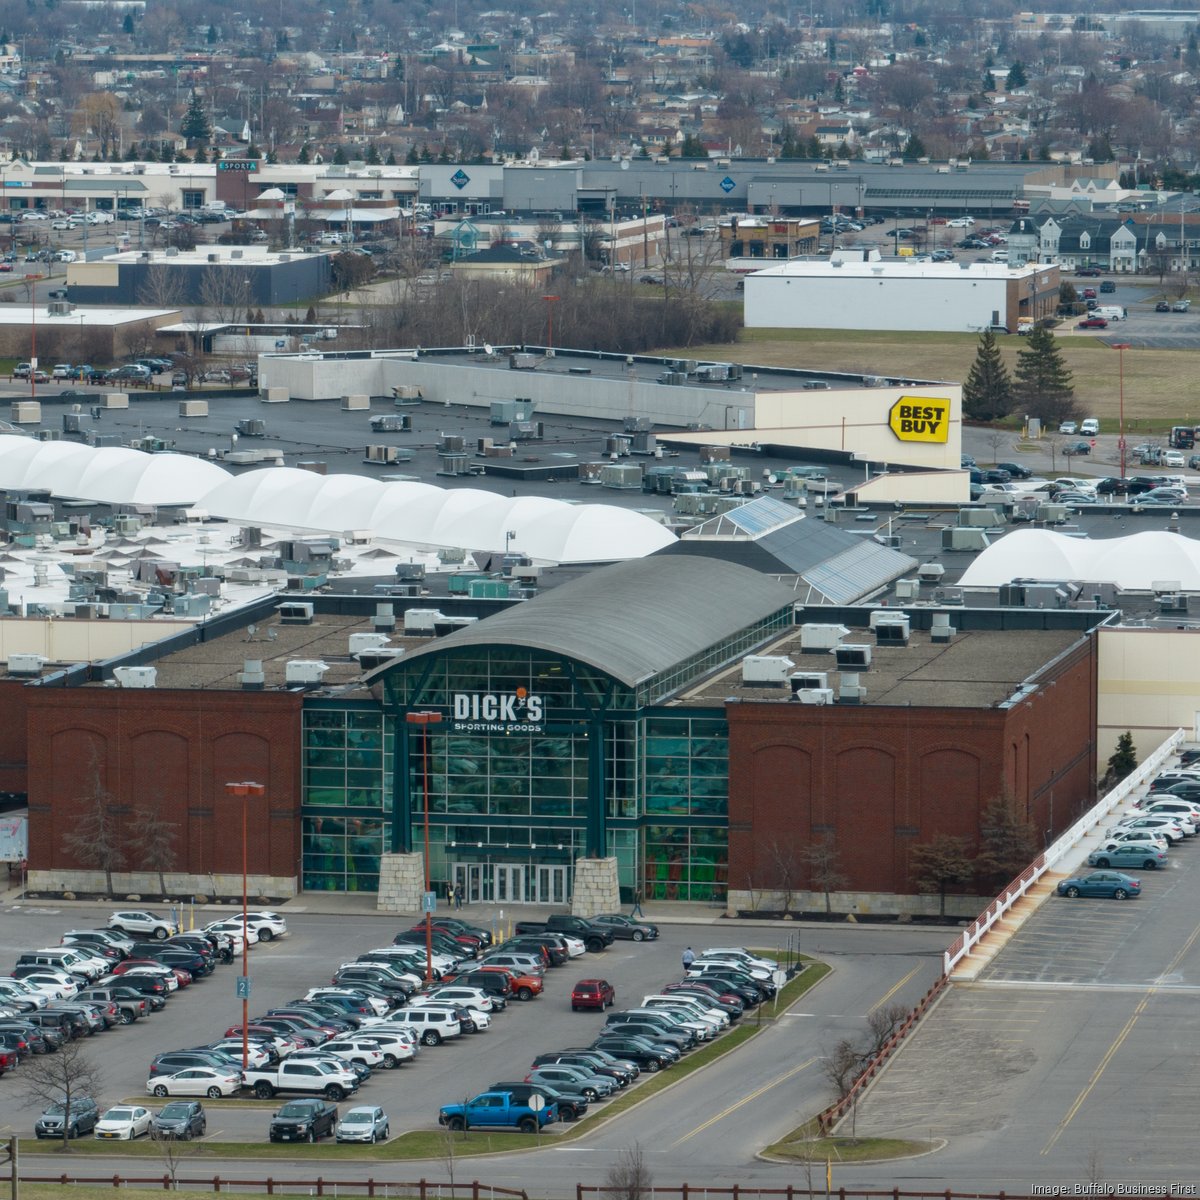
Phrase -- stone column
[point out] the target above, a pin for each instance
(401, 882)
(596, 889)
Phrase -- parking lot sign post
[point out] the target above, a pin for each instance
(243, 987)
(429, 902)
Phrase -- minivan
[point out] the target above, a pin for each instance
(1090, 427)
(1110, 312)
(433, 1025)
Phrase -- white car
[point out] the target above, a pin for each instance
(197, 1081)
(164, 974)
(376, 1004)
(13, 990)
(34, 215)
(126, 1122)
(256, 1056)
(1068, 427)
(58, 985)
(476, 999)
(233, 927)
(353, 1049)
(760, 973)
(745, 956)
(1143, 837)
(144, 923)
(396, 1046)
(575, 946)
(267, 925)
(961, 223)
(366, 1123)
(1164, 827)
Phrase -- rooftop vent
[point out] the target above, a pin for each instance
(26, 665)
(252, 677)
(817, 639)
(769, 669)
(305, 672)
(136, 677)
(295, 612)
(853, 656)
(941, 630)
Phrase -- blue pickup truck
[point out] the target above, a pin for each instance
(497, 1110)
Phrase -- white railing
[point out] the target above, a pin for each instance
(981, 926)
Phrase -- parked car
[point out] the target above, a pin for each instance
(1181, 306)
(197, 1081)
(593, 993)
(303, 1120)
(125, 1122)
(1093, 323)
(1073, 448)
(1015, 470)
(1162, 306)
(1115, 885)
(1112, 486)
(364, 1123)
(1129, 854)
(181, 1119)
(1068, 427)
(138, 920)
(84, 1115)
(1108, 286)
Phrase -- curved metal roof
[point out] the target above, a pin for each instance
(632, 620)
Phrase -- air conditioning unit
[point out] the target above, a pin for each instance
(892, 632)
(818, 639)
(305, 672)
(852, 656)
(850, 690)
(930, 572)
(295, 612)
(358, 642)
(941, 630)
(958, 538)
(806, 681)
(815, 696)
(26, 665)
(908, 589)
(135, 677)
(766, 668)
(1174, 602)
(251, 676)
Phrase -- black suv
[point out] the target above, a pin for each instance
(84, 1115)
(181, 1060)
(181, 1119)
(303, 1121)
(570, 1108)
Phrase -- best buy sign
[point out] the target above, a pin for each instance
(920, 419)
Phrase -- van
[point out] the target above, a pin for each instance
(1110, 312)
(1090, 427)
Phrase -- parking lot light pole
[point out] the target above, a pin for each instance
(245, 791)
(426, 719)
(1120, 348)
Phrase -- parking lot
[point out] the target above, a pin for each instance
(1087, 1015)
(283, 970)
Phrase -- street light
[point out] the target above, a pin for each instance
(245, 791)
(426, 719)
(1120, 348)
(550, 302)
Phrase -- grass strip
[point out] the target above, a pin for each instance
(805, 1145)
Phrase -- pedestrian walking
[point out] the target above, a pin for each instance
(637, 905)
(458, 898)
(689, 957)
(450, 894)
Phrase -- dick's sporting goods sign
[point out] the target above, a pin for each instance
(498, 712)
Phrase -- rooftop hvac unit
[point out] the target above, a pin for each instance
(815, 696)
(941, 630)
(295, 612)
(26, 665)
(980, 518)
(385, 618)
(850, 689)
(368, 660)
(1052, 514)
(1173, 602)
(817, 639)
(305, 672)
(1012, 595)
(251, 676)
(358, 642)
(135, 677)
(807, 681)
(421, 620)
(853, 656)
(908, 589)
(931, 572)
(958, 538)
(766, 668)
(892, 632)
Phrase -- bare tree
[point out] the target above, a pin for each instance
(60, 1080)
(225, 293)
(95, 841)
(154, 842)
(882, 1024)
(163, 287)
(175, 1152)
(824, 863)
(841, 1069)
(785, 866)
(629, 1177)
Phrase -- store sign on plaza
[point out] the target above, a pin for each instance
(498, 712)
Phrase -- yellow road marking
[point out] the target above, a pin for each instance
(887, 996)
(766, 1087)
(1116, 1045)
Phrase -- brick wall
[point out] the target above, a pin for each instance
(13, 736)
(174, 751)
(881, 779)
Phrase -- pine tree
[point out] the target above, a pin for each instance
(304, 157)
(195, 126)
(1123, 759)
(1016, 77)
(914, 148)
(988, 390)
(692, 147)
(339, 157)
(412, 157)
(391, 159)
(1043, 384)
(372, 159)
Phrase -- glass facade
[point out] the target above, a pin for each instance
(536, 761)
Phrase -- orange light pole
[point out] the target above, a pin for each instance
(1120, 348)
(245, 791)
(425, 719)
(33, 367)
(550, 302)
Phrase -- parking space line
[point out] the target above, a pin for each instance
(766, 1087)
(1116, 1044)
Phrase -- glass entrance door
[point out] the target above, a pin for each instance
(508, 884)
(550, 885)
(468, 881)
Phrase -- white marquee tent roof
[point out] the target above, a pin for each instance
(416, 514)
(1134, 563)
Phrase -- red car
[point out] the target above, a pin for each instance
(593, 993)
(1092, 323)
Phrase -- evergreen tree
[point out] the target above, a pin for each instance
(1123, 759)
(980, 152)
(391, 159)
(195, 126)
(372, 159)
(339, 157)
(1016, 77)
(412, 158)
(692, 147)
(127, 24)
(1100, 149)
(914, 148)
(426, 153)
(814, 147)
(1191, 56)
(252, 151)
(987, 84)
(212, 35)
(988, 389)
(1043, 385)
(272, 157)
(304, 157)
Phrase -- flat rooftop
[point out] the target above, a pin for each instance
(242, 256)
(899, 268)
(977, 669)
(81, 315)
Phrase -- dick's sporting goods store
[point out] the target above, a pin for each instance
(551, 731)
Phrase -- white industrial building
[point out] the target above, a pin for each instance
(843, 293)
